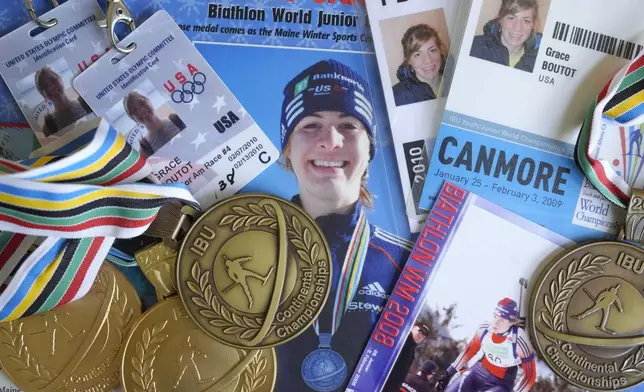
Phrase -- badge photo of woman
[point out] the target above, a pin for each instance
(422, 69)
(511, 38)
(66, 110)
(159, 130)
(328, 141)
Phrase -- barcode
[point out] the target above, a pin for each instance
(596, 41)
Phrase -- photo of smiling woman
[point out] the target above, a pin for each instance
(159, 130)
(422, 69)
(328, 141)
(66, 110)
(511, 38)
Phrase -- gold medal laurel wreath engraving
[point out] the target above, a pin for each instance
(124, 308)
(94, 360)
(15, 343)
(254, 376)
(241, 326)
(634, 363)
(561, 290)
(91, 364)
(143, 361)
(585, 318)
(124, 312)
(166, 351)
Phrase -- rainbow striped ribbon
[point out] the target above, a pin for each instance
(620, 102)
(351, 272)
(81, 197)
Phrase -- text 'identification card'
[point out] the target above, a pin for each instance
(171, 105)
(39, 66)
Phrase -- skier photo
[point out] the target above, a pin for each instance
(503, 347)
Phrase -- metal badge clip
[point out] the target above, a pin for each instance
(32, 13)
(117, 12)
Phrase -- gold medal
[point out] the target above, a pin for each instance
(254, 271)
(167, 351)
(586, 313)
(76, 347)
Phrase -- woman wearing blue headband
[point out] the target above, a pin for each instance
(328, 141)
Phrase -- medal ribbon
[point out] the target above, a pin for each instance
(351, 272)
(620, 102)
(81, 197)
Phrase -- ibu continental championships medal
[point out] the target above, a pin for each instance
(586, 313)
(254, 271)
(76, 347)
(324, 369)
(166, 351)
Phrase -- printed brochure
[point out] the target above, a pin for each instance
(464, 287)
(511, 121)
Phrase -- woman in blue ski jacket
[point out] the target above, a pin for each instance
(422, 69)
(328, 141)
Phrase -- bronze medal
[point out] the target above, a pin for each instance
(76, 347)
(254, 271)
(167, 351)
(586, 314)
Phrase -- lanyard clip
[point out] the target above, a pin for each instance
(117, 12)
(32, 13)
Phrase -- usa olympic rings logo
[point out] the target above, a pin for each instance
(190, 88)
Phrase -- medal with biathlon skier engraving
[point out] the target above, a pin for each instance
(167, 351)
(586, 313)
(76, 347)
(587, 317)
(254, 271)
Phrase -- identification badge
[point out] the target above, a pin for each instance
(39, 66)
(171, 106)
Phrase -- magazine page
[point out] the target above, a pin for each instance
(473, 260)
(300, 71)
(412, 41)
(510, 124)
(10, 19)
